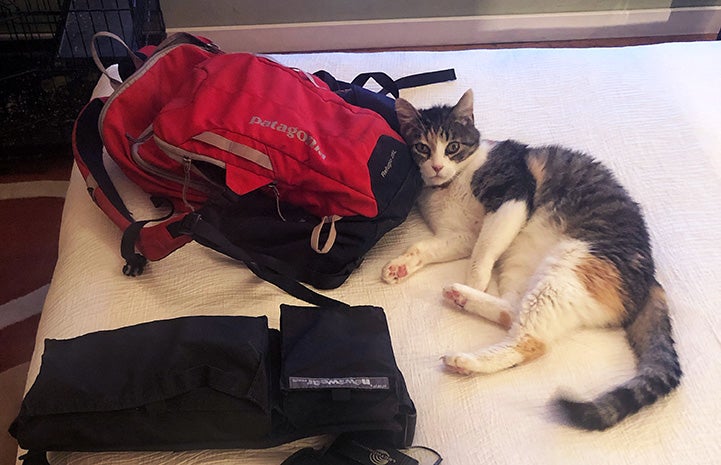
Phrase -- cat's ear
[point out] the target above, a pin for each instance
(407, 114)
(463, 111)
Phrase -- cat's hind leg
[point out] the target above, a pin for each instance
(571, 289)
(510, 352)
(506, 354)
(524, 341)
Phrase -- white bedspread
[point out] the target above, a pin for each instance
(652, 113)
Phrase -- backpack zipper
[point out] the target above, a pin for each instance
(187, 164)
(274, 187)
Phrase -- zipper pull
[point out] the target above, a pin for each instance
(274, 188)
(187, 162)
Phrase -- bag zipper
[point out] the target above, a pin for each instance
(187, 162)
(274, 187)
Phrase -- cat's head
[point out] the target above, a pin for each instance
(441, 138)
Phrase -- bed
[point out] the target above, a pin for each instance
(651, 113)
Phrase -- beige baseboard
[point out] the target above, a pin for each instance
(418, 32)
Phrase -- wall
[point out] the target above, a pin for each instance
(314, 25)
(193, 13)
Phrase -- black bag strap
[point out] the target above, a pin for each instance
(415, 80)
(263, 266)
(424, 79)
(352, 449)
(34, 457)
(385, 81)
(88, 150)
(135, 262)
(88, 153)
(388, 84)
(355, 94)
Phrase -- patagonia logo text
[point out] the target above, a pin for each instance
(291, 131)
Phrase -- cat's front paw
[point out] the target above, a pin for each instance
(394, 273)
(401, 268)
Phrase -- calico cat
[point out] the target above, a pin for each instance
(569, 246)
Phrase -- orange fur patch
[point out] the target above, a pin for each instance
(602, 280)
(504, 319)
(531, 348)
(657, 295)
(537, 166)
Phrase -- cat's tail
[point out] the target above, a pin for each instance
(658, 373)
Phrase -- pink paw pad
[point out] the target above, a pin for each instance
(455, 296)
(398, 271)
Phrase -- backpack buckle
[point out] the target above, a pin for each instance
(189, 222)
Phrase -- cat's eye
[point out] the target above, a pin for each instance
(453, 148)
(421, 148)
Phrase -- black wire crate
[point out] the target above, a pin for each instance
(47, 72)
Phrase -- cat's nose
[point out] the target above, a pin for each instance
(437, 168)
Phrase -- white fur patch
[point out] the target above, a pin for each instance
(499, 230)
(455, 217)
(538, 277)
(454, 208)
(553, 300)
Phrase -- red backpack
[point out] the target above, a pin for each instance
(193, 123)
(249, 115)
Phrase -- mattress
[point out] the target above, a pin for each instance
(651, 113)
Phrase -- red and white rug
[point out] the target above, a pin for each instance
(31, 203)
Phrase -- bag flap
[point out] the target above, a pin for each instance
(331, 348)
(276, 122)
(151, 362)
(133, 107)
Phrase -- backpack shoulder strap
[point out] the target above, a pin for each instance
(152, 241)
(355, 93)
(391, 86)
(263, 266)
(388, 84)
(424, 79)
